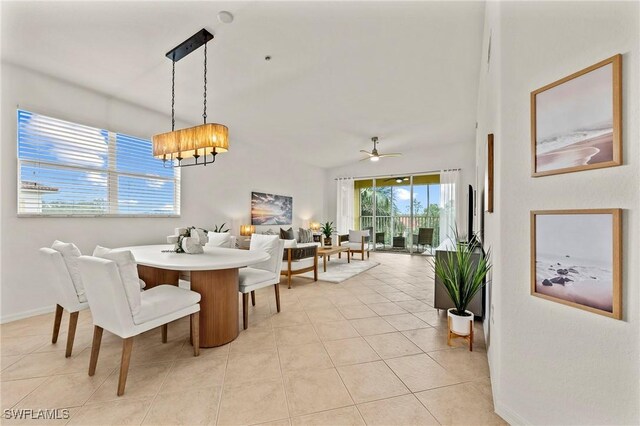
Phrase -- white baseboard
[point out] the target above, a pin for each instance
(509, 415)
(26, 314)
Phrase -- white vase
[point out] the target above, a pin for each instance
(191, 245)
(460, 325)
(200, 235)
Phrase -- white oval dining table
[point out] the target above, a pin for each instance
(214, 274)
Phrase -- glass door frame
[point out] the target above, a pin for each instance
(415, 220)
(409, 240)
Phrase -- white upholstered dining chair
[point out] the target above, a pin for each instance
(263, 274)
(117, 308)
(67, 298)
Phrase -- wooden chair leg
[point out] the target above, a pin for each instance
(56, 323)
(253, 298)
(127, 346)
(95, 349)
(315, 268)
(367, 254)
(289, 279)
(471, 336)
(191, 332)
(195, 333)
(277, 290)
(71, 335)
(245, 310)
(165, 331)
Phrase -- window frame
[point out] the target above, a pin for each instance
(110, 172)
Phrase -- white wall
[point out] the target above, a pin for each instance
(428, 158)
(553, 364)
(210, 195)
(488, 121)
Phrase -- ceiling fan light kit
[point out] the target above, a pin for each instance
(203, 142)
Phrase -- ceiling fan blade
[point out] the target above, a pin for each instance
(366, 152)
(366, 158)
(393, 154)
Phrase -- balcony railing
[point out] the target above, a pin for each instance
(401, 225)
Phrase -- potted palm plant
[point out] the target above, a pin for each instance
(462, 278)
(327, 229)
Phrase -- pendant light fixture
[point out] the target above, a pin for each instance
(201, 143)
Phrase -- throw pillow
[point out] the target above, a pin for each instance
(70, 254)
(128, 270)
(305, 235)
(219, 239)
(287, 235)
(290, 243)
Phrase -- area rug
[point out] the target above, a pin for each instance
(339, 270)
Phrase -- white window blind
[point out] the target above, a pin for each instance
(67, 169)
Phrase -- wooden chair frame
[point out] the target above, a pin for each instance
(127, 347)
(71, 334)
(289, 273)
(364, 245)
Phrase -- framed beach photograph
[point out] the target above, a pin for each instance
(271, 209)
(576, 258)
(576, 122)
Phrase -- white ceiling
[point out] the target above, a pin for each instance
(340, 73)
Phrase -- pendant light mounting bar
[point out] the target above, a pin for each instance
(189, 45)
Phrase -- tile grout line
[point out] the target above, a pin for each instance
(284, 388)
(93, 393)
(224, 376)
(184, 342)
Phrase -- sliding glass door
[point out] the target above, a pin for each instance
(401, 212)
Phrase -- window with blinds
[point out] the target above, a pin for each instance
(67, 169)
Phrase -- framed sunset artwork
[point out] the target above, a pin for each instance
(576, 258)
(576, 122)
(271, 209)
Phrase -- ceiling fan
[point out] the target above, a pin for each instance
(374, 155)
(398, 179)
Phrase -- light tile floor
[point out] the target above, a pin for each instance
(370, 350)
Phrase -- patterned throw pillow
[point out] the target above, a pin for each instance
(305, 235)
(287, 234)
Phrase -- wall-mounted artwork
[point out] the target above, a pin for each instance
(270, 209)
(576, 122)
(488, 176)
(576, 258)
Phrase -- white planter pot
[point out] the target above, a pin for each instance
(460, 325)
